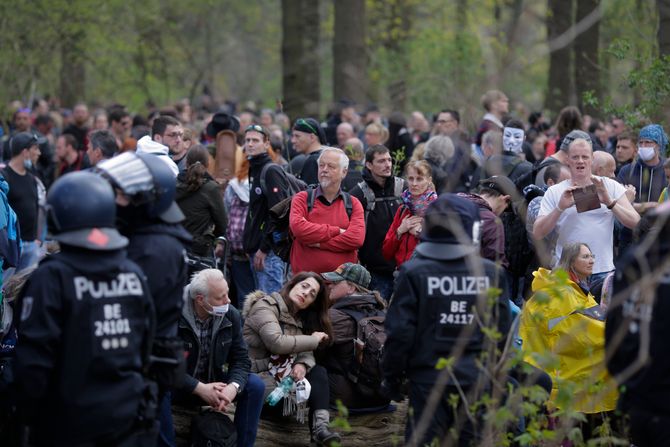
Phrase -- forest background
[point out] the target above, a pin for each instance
(399, 54)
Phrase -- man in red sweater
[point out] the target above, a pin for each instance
(326, 236)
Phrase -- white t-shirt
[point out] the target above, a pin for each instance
(594, 227)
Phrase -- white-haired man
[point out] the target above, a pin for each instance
(218, 365)
(327, 223)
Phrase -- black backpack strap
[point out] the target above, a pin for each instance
(264, 173)
(310, 198)
(348, 205)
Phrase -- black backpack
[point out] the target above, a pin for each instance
(212, 429)
(365, 370)
(371, 200)
(295, 185)
(281, 239)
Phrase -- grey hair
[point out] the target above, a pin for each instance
(569, 255)
(439, 149)
(581, 142)
(199, 284)
(344, 160)
(494, 139)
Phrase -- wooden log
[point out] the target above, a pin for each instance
(370, 430)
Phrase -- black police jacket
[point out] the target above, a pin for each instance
(160, 251)
(84, 333)
(228, 356)
(436, 303)
(640, 301)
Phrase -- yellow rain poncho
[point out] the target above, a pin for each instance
(567, 344)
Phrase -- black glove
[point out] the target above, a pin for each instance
(392, 389)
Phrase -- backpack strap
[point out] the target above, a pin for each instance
(264, 173)
(348, 205)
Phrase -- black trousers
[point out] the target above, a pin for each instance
(649, 429)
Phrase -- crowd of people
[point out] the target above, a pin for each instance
(233, 259)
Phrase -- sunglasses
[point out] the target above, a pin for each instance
(256, 128)
(303, 122)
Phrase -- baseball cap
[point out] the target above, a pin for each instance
(450, 229)
(354, 273)
(501, 184)
(21, 141)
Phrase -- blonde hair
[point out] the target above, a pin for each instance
(378, 129)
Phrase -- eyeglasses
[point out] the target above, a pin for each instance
(303, 122)
(587, 257)
(175, 135)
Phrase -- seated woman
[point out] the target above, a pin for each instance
(402, 236)
(276, 328)
(563, 333)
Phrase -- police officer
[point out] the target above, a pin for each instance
(86, 322)
(637, 331)
(149, 217)
(439, 305)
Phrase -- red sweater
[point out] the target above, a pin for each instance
(322, 226)
(399, 249)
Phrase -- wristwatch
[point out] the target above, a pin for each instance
(237, 386)
(612, 204)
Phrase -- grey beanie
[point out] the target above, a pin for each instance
(572, 136)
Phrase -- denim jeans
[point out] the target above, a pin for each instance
(166, 434)
(271, 278)
(382, 284)
(248, 412)
(242, 275)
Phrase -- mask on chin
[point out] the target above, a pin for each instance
(28, 164)
(513, 139)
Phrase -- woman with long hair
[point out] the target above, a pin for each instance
(282, 330)
(563, 333)
(403, 234)
(199, 197)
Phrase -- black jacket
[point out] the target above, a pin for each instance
(649, 387)
(378, 222)
(309, 173)
(228, 356)
(160, 249)
(85, 329)
(430, 309)
(256, 235)
(205, 216)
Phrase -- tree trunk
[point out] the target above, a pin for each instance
(559, 20)
(72, 72)
(349, 52)
(663, 34)
(587, 68)
(300, 58)
(399, 30)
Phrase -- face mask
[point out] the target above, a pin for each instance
(646, 153)
(218, 311)
(513, 139)
(28, 164)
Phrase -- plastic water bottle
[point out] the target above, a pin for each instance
(282, 390)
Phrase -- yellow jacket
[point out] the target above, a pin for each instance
(568, 345)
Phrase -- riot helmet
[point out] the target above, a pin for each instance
(148, 183)
(81, 212)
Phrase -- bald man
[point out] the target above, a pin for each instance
(603, 165)
(344, 132)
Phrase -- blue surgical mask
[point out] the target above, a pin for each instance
(28, 164)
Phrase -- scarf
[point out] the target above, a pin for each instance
(418, 205)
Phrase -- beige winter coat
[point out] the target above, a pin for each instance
(269, 328)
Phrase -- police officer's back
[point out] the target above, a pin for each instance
(86, 322)
(440, 303)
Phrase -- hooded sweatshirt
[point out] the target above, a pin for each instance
(146, 145)
(649, 181)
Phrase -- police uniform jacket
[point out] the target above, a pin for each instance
(435, 302)
(85, 324)
(160, 251)
(228, 355)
